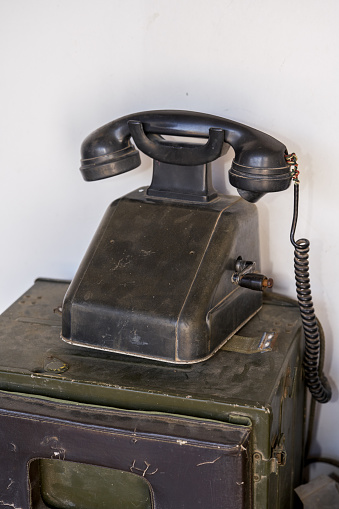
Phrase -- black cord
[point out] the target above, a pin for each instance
(318, 459)
(314, 335)
(315, 380)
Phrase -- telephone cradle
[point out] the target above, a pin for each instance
(188, 388)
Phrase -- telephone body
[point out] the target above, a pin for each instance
(172, 270)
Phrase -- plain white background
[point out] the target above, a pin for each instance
(67, 67)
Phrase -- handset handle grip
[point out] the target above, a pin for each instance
(178, 153)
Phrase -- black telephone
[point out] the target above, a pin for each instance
(171, 272)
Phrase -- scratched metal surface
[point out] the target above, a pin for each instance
(261, 390)
(33, 355)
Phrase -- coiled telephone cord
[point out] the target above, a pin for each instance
(315, 379)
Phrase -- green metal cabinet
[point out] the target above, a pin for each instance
(88, 429)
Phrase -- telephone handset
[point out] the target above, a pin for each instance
(170, 272)
(259, 165)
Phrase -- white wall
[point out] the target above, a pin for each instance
(67, 67)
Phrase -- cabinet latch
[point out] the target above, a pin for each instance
(264, 467)
(279, 451)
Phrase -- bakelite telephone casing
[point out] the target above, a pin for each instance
(158, 279)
